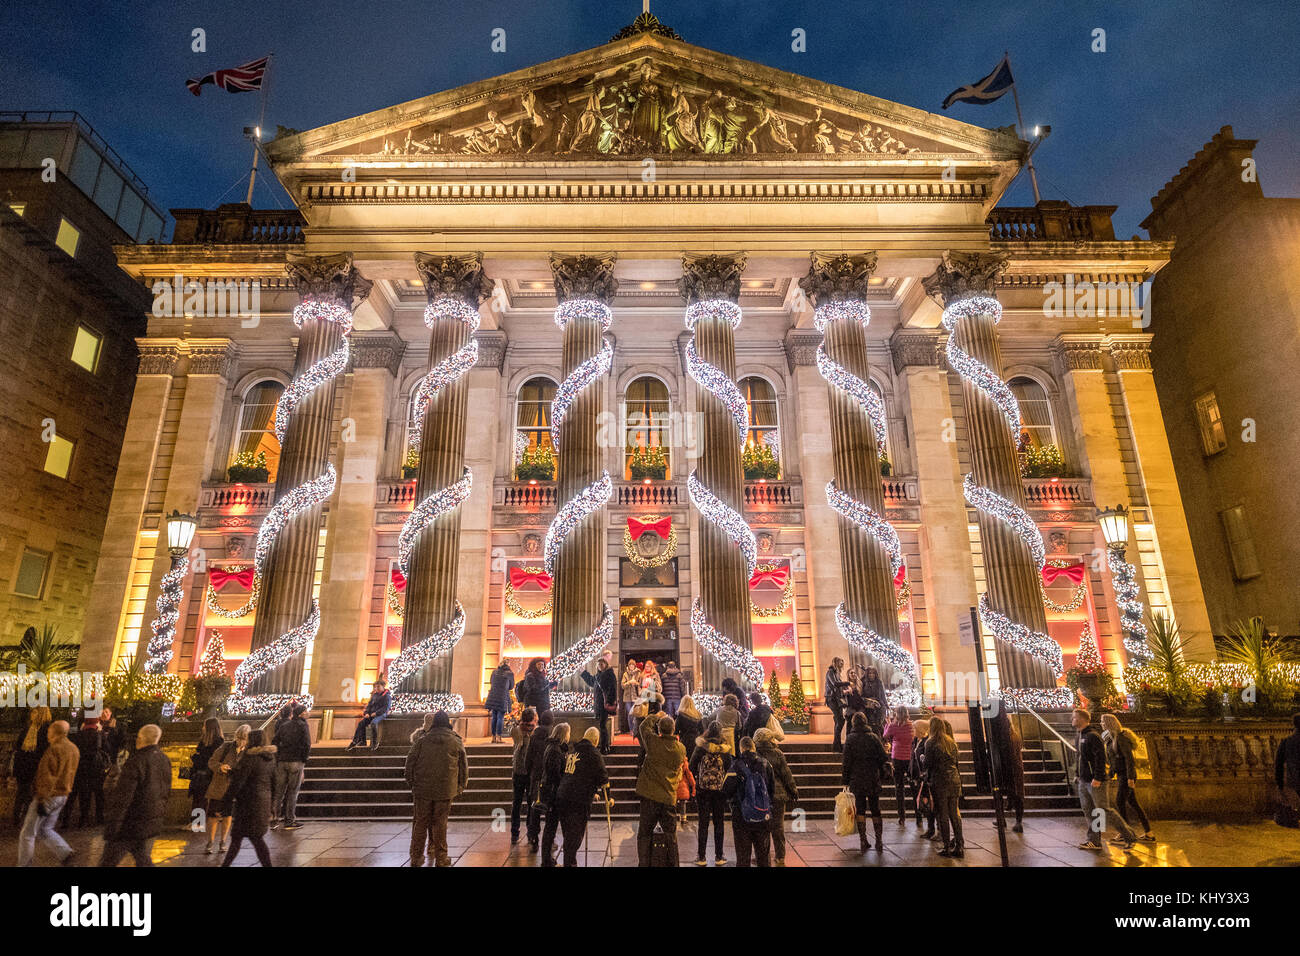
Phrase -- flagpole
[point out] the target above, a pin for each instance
(1015, 94)
(257, 131)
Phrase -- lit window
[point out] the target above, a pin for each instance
(58, 456)
(1241, 546)
(762, 443)
(533, 413)
(1036, 428)
(1210, 421)
(646, 445)
(68, 237)
(18, 208)
(256, 439)
(85, 350)
(30, 581)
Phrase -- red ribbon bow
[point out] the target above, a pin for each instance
(242, 576)
(399, 579)
(520, 576)
(901, 576)
(777, 576)
(663, 527)
(1074, 572)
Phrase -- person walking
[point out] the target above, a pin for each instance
(535, 689)
(292, 742)
(88, 787)
(138, 803)
(210, 741)
(833, 694)
(501, 683)
(535, 766)
(673, 685)
(50, 788)
(1011, 765)
(749, 786)
(689, 725)
(785, 792)
(917, 770)
(553, 762)
(730, 720)
(710, 761)
(29, 747)
(1092, 786)
(759, 716)
(250, 788)
(377, 708)
(604, 699)
(584, 775)
(863, 768)
(651, 685)
(631, 684)
(521, 734)
(220, 798)
(943, 770)
(1121, 747)
(437, 772)
(898, 735)
(656, 786)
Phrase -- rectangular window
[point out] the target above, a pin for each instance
(32, 569)
(1245, 563)
(85, 350)
(68, 238)
(1209, 420)
(58, 457)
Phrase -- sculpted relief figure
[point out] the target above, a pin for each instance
(818, 135)
(648, 111)
(589, 124)
(769, 134)
(681, 134)
(539, 125)
(712, 125)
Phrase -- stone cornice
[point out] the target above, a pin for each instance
(915, 347)
(801, 347)
(1079, 353)
(492, 345)
(212, 357)
(380, 349)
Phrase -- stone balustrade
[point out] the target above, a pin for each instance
(1057, 492)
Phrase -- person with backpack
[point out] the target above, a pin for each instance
(604, 699)
(656, 786)
(864, 766)
(521, 734)
(784, 795)
(749, 786)
(553, 761)
(709, 764)
(501, 683)
(1121, 750)
(584, 775)
(833, 694)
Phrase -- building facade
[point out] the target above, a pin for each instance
(572, 356)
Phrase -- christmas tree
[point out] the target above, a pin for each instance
(796, 705)
(214, 657)
(774, 693)
(1088, 659)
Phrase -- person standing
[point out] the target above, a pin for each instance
(535, 690)
(535, 766)
(292, 742)
(113, 736)
(656, 786)
(874, 699)
(1121, 747)
(220, 798)
(1092, 776)
(50, 788)
(864, 766)
(749, 786)
(730, 720)
(710, 761)
(631, 684)
(673, 682)
(604, 699)
(29, 748)
(729, 686)
(250, 788)
(944, 773)
(138, 804)
(651, 686)
(921, 778)
(553, 762)
(1286, 767)
(898, 735)
(88, 787)
(521, 734)
(377, 708)
(584, 775)
(689, 725)
(833, 694)
(1011, 765)
(759, 715)
(437, 772)
(210, 742)
(500, 685)
(785, 793)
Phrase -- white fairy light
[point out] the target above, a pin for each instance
(573, 659)
(862, 393)
(164, 626)
(726, 391)
(888, 652)
(428, 511)
(574, 383)
(983, 377)
(1124, 579)
(451, 368)
(427, 703)
(589, 500)
(1010, 514)
(572, 309)
(859, 513)
(416, 655)
(727, 653)
(717, 512)
(314, 310)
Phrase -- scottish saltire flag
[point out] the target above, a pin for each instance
(986, 90)
(239, 79)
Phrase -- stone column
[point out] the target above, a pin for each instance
(329, 288)
(711, 286)
(456, 287)
(1014, 585)
(584, 288)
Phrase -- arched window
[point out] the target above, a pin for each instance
(533, 420)
(256, 435)
(646, 408)
(1036, 429)
(760, 399)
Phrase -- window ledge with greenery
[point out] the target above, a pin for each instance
(249, 469)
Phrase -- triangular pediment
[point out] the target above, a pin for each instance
(644, 95)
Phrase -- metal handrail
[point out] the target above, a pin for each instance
(1068, 748)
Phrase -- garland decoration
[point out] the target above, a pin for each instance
(417, 655)
(665, 555)
(450, 369)
(513, 603)
(787, 590)
(727, 653)
(215, 607)
(573, 659)
(1080, 590)
(1124, 578)
(169, 612)
(394, 602)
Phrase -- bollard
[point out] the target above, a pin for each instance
(326, 725)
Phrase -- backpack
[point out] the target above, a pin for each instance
(755, 806)
(712, 772)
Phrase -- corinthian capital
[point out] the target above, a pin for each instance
(964, 274)
(837, 278)
(584, 277)
(459, 276)
(707, 277)
(328, 279)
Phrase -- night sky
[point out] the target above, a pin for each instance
(1123, 121)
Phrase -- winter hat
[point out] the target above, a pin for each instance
(591, 735)
(763, 735)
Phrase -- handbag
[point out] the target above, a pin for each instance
(185, 773)
(924, 800)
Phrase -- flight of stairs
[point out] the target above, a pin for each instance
(368, 785)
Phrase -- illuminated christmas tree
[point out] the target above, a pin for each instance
(796, 705)
(214, 657)
(1088, 658)
(774, 694)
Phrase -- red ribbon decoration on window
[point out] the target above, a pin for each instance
(777, 576)
(519, 577)
(242, 576)
(399, 579)
(663, 527)
(1073, 572)
(901, 576)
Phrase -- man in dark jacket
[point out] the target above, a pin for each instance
(673, 682)
(604, 696)
(534, 763)
(437, 771)
(584, 774)
(1091, 784)
(377, 708)
(1287, 764)
(293, 746)
(656, 786)
(759, 715)
(88, 787)
(138, 804)
(751, 837)
(554, 760)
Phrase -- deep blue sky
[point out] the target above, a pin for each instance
(1123, 121)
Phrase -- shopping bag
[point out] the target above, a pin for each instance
(846, 814)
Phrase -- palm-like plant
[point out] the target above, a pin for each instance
(1250, 645)
(45, 652)
(1167, 647)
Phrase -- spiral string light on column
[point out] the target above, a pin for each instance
(297, 501)
(169, 612)
(1034, 643)
(859, 513)
(1124, 579)
(712, 508)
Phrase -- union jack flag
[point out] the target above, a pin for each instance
(239, 79)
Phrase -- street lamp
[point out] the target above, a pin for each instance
(1115, 529)
(180, 535)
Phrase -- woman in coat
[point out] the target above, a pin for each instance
(1011, 765)
(223, 763)
(709, 764)
(29, 748)
(1120, 746)
(250, 786)
(873, 689)
(924, 805)
(865, 760)
(631, 684)
(689, 725)
(898, 735)
(200, 773)
(945, 781)
(729, 686)
(786, 793)
(673, 684)
(535, 690)
(498, 700)
(553, 759)
(730, 719)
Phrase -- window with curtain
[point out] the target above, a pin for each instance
(1036, 429)
(760, 398)
(646, 407)
(533, 414)
(256, 434)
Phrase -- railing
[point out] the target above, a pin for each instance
(397, 493)
(772, 493)
(1066, 748)
(1057, 492)
(901, 490)
(541, 495)
(237, 223)
(237, 497)
(655, 494)
(1051, 221)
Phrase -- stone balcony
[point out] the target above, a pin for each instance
(237, 498)
(1057, 493)
(1051, 221)
(237, 223)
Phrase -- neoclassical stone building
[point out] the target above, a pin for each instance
(566, 359)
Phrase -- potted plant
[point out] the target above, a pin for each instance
(1266, 662)
(536, 464)
(648, 463)
(411, 464)
(1089, 676)
(759, 462)
(248, 468)
(1044, 461)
